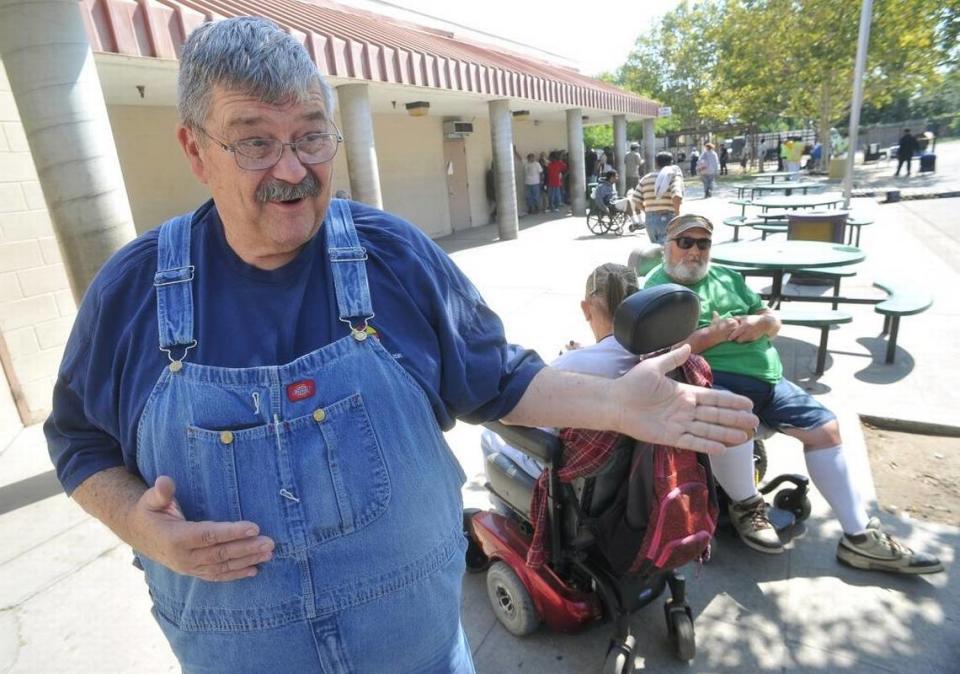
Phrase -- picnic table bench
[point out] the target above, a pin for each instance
(901, 301)
(821, 319)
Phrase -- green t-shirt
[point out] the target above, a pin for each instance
(724, 291)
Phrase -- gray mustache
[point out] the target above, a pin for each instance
(278, 190)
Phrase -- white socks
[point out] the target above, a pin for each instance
(828, 471)
(733, 470)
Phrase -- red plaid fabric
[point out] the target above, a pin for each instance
(584, 453)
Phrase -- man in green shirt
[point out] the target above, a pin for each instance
(734, 336)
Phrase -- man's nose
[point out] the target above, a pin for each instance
(289, 169)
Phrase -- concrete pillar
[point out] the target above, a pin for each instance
(354, 100)
(504, 177)
(578, 182)
(620, 151)
(650, 144)
(54, 81)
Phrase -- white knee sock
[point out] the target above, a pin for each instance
(828, 471)
(733, 470)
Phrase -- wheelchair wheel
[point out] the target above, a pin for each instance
(759, 461)
(597, 223)
(792, 501)
(620, 657)
(510, 600)
(683, 639)
(617, 221)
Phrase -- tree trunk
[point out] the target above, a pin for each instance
(825, 147)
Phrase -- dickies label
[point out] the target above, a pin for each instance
(301, 390)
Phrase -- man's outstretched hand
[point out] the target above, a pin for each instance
(655, 408)
(214, 551)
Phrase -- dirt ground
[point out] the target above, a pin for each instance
(916, 474)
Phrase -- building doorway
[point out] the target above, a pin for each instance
(458, 186)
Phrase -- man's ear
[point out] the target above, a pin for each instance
(191, 148)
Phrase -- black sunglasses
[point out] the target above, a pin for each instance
(688, 242)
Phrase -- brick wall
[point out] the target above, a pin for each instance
(36, 305)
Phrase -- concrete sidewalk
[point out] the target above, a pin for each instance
(71, 602)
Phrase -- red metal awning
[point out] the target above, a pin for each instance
(346, 42)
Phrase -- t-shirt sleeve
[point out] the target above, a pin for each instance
(83, 430)
(78, 444)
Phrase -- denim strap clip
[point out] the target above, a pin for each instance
(167, 277)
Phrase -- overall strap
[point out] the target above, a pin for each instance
(174, 284)
(348, 262)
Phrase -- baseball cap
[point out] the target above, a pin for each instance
(682, 223)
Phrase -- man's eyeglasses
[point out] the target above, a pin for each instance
(258, 154)
(688, 242)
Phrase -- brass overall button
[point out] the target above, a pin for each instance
(226, 437)
(319, 415)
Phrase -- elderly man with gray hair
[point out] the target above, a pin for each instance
(253, 393)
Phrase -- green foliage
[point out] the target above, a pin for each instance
(598, 136)
(781, 63)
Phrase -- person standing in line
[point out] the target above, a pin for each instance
(532, 172)
(556, 169)
(632, 163)
(761, 153)
(905, 151)
(707, 166)
(724, 157)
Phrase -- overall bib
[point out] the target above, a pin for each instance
(337, 456)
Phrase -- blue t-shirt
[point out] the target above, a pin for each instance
(427, 314)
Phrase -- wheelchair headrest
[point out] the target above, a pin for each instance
(656, 318)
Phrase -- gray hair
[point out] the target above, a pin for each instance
(247, 54)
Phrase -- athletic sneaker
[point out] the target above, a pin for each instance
(879, 551)
(749, 517)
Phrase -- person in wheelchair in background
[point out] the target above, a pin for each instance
(734, 336)
(607, 200)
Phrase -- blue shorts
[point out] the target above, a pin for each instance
(780, 406)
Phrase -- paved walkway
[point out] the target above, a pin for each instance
(71, 602)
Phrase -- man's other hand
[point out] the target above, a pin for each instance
(214, 551)
(655, 408)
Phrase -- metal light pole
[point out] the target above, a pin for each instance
(866, 15)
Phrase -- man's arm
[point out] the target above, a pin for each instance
(150, 521)
(643, 404)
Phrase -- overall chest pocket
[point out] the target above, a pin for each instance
(303, 481)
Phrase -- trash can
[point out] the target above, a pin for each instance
(928, 163)
(837, 167)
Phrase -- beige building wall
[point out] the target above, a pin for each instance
(159, 182)
(36, 305)
(530, 136)
(479, 159)
(412, 179)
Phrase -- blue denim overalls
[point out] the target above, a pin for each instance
(338, 458)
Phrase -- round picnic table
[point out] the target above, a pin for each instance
(779, 257)
(785, 175)
(788, 187)
(796, 201)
